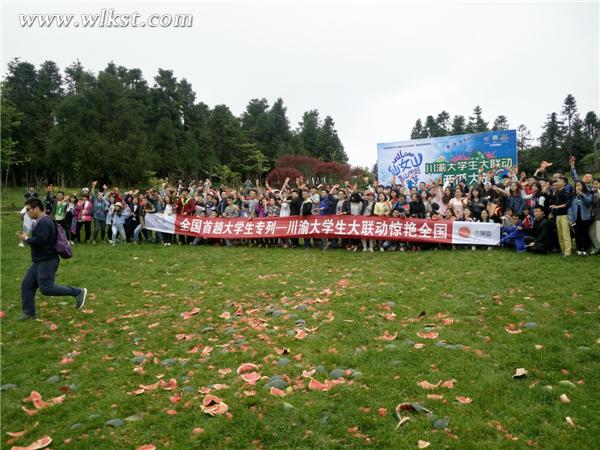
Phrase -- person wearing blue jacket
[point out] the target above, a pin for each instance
(99, 210)
(514, 199)
(514, 234)
(580, 216)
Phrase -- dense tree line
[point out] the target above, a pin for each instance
(564, 134)
(117, 128)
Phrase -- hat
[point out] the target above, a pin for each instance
(119, 204)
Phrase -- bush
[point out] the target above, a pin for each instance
(305, 164)
(276, 177)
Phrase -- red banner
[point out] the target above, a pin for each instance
(357, 227)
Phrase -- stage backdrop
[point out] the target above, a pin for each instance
(355, 227)
(461, 156)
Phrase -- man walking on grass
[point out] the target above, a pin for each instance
(45, 262)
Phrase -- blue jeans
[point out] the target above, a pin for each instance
(118, 228)
(41, 275)
(136, 233)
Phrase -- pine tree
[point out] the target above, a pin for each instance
(443, 123)
(476, 123)
(591, 125)
(308, 130)
(458, 125)
(9, 121)
(432, 128)
(570, 116)
(330, 146)
(552, 137)
(523, 137)
(418, 130)
(500, 123)
(279, 132)
(569, 113)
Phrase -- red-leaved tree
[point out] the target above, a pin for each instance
(277, 176)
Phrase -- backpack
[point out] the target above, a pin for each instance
(62, 246)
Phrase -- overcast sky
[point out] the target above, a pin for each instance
(375, 67)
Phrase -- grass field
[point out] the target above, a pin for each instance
(347, 301)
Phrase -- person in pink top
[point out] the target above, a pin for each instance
(458, 204)
(84, 215)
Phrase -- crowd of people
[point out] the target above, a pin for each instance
(540, 213)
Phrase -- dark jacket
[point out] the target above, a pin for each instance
(417, 210)
(542, 235)
(562, 197)
(307, 207)
(364, 208)
(43, 240)
(295, 206)
(345, 207)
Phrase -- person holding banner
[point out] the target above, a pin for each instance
(167, 212)
(185, 206)
(368, 210)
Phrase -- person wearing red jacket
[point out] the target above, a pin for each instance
(185, 206)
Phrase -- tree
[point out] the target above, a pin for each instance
(432, 127)
(418, 130)
(553, 137)
(250, 162)
(443, 123)
(476, 123)
(570, 116)
(308, 130)
(227, 136)
(77, 79)
(279, 131)
(591, 124)
(116, 128)
(100, 134)
(459, 125)
(500, 123)
(9, 121)
(523, 137)
(329, 144)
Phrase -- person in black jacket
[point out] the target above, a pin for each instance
(540, 240)
(45, 261)
(417, 207)
(306, 210)
(295, 207)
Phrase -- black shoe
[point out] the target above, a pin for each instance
(80, 299)
(25, 317)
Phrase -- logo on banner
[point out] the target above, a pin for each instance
(464, 232)
(407, 167)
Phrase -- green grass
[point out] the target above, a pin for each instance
(139, 292)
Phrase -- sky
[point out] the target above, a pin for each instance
(373, 66)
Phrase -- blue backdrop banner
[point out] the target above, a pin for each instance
(448, 157)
